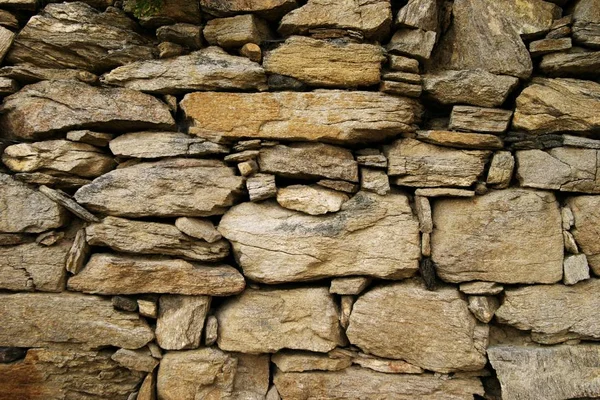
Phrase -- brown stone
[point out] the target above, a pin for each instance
(576, 62)
(479, 119)
(415, 43)
(461, 140)
(545, 46)
(501, 170)
(180, 321)
(187, 35)
(90, 137)
(313, 200)
(261, 187)
(270, 9)
(168, 12)
(236, 31)
(135, 360)
(299, 361)
(586, 210)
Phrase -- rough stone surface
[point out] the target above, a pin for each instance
(482, 238)
(416, 43)
(261, 235)
(422, 14)
(117, 274)
(163, 144)
(374, 180)
(236, 31)
(575, 62)
(483, 307)
(135, 360)
(187, 35)
(461, 140)
(501, 170)
(268, 320)
(261, 187)
(479, 119)
(481, 288)
(313, 200)
(170, 187)
(198, 228)
(99, 139)
(299, 361)
(169, 12)
(576, 269)
(180, 321)
(270, 9)
(403, 321)
(586, 212)
(349, 285)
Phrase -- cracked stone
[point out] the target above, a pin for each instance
(501, 170)
(586, 212)
(180, 321)
(236, 31)
(312, 200)
(576, 269)
(479, 119)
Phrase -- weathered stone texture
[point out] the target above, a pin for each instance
(163, 144)
(180, 321)
(586, 213)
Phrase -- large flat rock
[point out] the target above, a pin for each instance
(576, 62)
(271, 9)
(268, 320)
(552, 373)
(322, 115)
(119, 274)
(207, 69)
(326, 64)
(586, 230)
(356, 382)
(46, 319)
(560, 311)
(404, 321)
(24, 209)
(372, 235)
(49, 108)
(167, 188)
(75, 35)
(163, 144)
(483, 238)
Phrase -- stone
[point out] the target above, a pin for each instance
(175, 187)
(385, 365)
(180, 321)
(24, 209)
(300, 361)
(148, 307)
(46, 319)
(24, 5)
(170, 50)
(559, 105)
(263, 234)
(261, 187)
(32, 266)
(163, 144)
(270, 9)
(475, 87)
(245, 155)
(419, 14)
(576, 269)
(372, 160)
(252, 376)
(341, 186)
(49, 238)
(309, 160)
(483, 307)
(480, 288)
(122, 274)
(417, 164)
(423, 209)
(444, 192)
(236, 31)
(401, 88)
(479, 119)
(352, 285)
(481, 238)
(48, 108)
(268, 320)
(567, 169)
(187, 35)
(374, 180)
(401, 63)
(248, 168)
(8, 86)
(75, 35)
(568, 219)
(570, 244)
(402, 77)
(58, 155)
(403, 321)
(168, 12)
(27, 73)
(346, 304)
(10, 239)
(501, 170)
(358, 382)
(71, 372)
(568, 311)
(586, 211)
(415, 43)
(550, 372)
(253, 52)
(147, 390)
(575, 62)
(577, 141)
(135, 360)
(211, 330)
(202, 229)
(586, 27)
(124, 303)
(326, 64)
(461, 140)
(58, 180)
(322, 115)
(545, 46)
(371, 18)
(152, 238)
(312, 200)
(273, 394)
(98, 139)
(278, 82)
(67, 202)
(559, 33)
(6, 40)
(8, 20)
(207, 69)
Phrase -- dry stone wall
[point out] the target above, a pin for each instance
(286, 199)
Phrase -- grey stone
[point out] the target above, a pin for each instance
(67, 202)
(483, 307)
(90, 137)
(416, 43)
(163, 144)
(261, 187)
(501, 170)
(236, 31)
(576, 269)
(576, 62)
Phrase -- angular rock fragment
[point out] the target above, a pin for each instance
(67, 202)
(152, 238)
(90, 137)
(261, 187)
(48, 108)
(415, 43)
(252, 52)
(586, 27)
(199, 228)
(349, 285)
(550, 372)
(276, 245)
(180, 321)
(75, 35)
(419, 14)
(163, 144)
(24, 209)
(401, 63)
(211, 331)
(252, 376)
(577, 141)
(401, 88)
(167, 188)
(187, 35)
(119, 274)
(268, 320)
(374, 180)
(322, 115)
(444, 192)
(501, 170)
(586, 211)
(482, 238)
(299, 361)
(461, 140)
(313, 200)
(479, 119)
(341, 186)
(570, 244)
(27, 73)
(403, 321)
(148, 306)
(207, 69)
(168, 12)
(545, 46)
(576, 62)
(371, 18)
(135, 360)
(63, 181)
(8, 86)
(481, 288)
(71, 318)
(576, 269)
(418, 164)
(236, 31)
(483, 307)
(270, 9)
(328, 64)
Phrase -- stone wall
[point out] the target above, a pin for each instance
(318, 199)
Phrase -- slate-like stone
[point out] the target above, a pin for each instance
(163, 144)
(236, 31)
(276, 245)
(423, 14)
(300, 361)
(120, 274)
(75, 35)
(586, 210)
(326, 64)
(270, 9)
(48, 108)
(27, 73)
(501, 170)
(268, 320)
(313, 200)
(461, 140)
(207, 69)
(166, 188)
(404, 321)
(135, 360)
(322, 115)
(415, 43)
(180, 321)
(479, 119)
(187, 35)
(46, 319)
(586, 26)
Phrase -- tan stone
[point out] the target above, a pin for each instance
(270, 9)
(374, 180)
(401, 88)
(58, 180)
(147, 390)
(163, 144)
(545, 46)
(482, 238)
(481, 288)
(501, 170)
(576, 269)
(422, 14)
(480, 119)
(99, 139)
(349, 285)
(168, 12)
(198, 228)
(586, 212)
(252, 376)
(299, 361)
(312, 200)
(385, 365)
(236, 31)
(187, 35)
(401, 63)
(372, 236)
(211, 331)
(252, 52)
(483, 307)
(341, 186)
(461, 140)
(135, 360)
(416, 43)
(180, 321)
